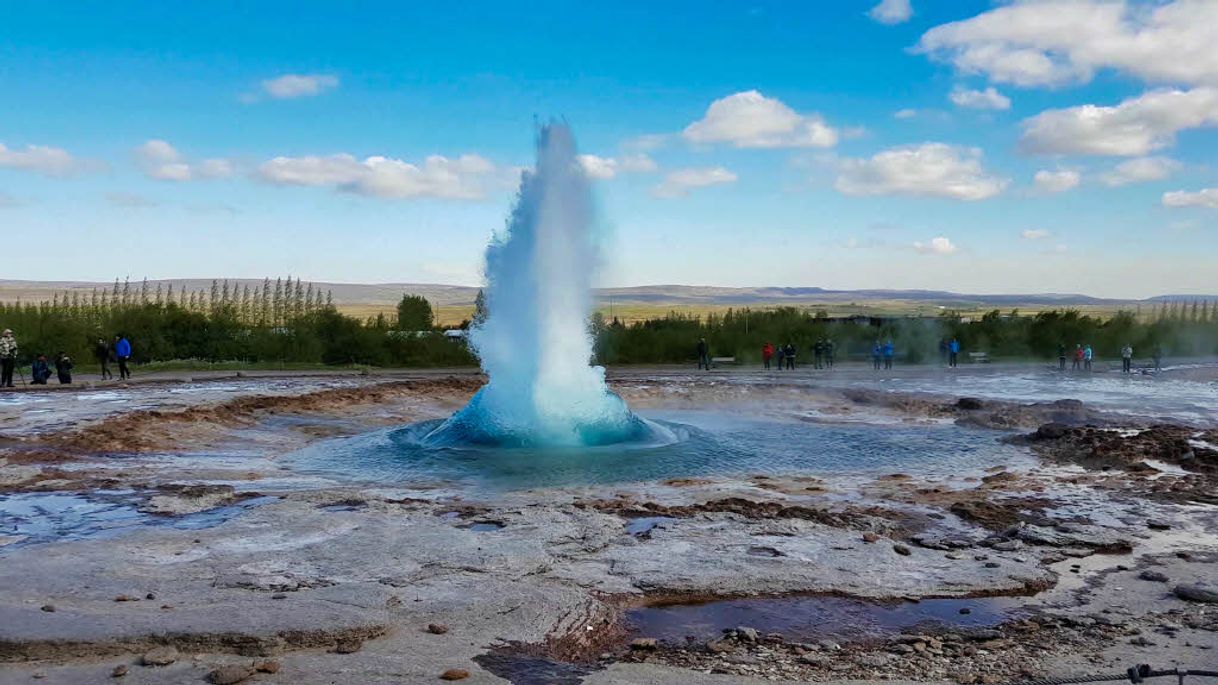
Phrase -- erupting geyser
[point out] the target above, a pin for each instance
(535, 345)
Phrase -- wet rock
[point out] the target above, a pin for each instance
(126, 598)
(814, 660)
(150, 596)
(270, 666)
(747, 634)
(437, 628)
(454, 674)
(902, 550)
(1156, 524)
(1153, 576)
(964, 611)
(870, 537)
(644, 643)
(119, 671)
(348, 646)
(1196, 593)
(992, 564)
(1141, 642)
(49, 608)
(160, 656)
(1006, 546)
(719, 646)
(229, 675)
(970, 403)
(1051, 431)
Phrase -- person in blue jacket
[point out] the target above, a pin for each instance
(889, 353)
(953, 353)
(122, 352)
(877, 353)
(40, 371)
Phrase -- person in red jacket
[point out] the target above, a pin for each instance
(767, 353)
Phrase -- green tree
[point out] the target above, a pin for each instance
(414, 314)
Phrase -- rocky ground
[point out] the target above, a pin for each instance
(242, 570)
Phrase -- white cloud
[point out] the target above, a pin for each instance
(291, 86)
(1140, 170)
(160, 160)
(905, 114)
(891, 11)
(989, 98)
(10, 201)
(929, 169)
(605, 168)
(678, 183)
(40, 159)
(937, 246)
(1056, 181)
(752, 120)
(1137, 126)
(1054, 42)
(1035, 234)
(1206, 197)
(461, 178)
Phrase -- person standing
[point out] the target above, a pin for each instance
(1127, 358)
(1061, 356)
(829, 352)
(8, 358)
(788, 351)
(767, 353)
(703, 354)
(953, 353)
(877, 352)
(818, 354)
(1158, 354)
(1077, 363)
(101, 352)
(122, 352)
(63, 368)
(889, 352)
(1087, 357)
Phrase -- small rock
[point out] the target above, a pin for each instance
(870, 537)
(1157, 524)
(454, 674)
(1184, 555)
(437, 628)
(814, 660)
(1007, 546)
(348, 646)
(970, 403)
(279, 595)
(49, 608)
(229, 675)
(747, 634)
(119, 671)
(160, 656)
(38, 675)
(270, 666)
(1153, 576)
(644, 643)
(1196, 593)
(992, 564)
(1141, 642)
(902, 550)
(150, 596)
(718, 646)
(965, 610)
(125, 598)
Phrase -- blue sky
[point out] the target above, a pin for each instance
(1054, 145)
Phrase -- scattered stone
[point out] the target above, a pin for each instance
(747, 634)
(119, 671)
(279, 595)
(437, 628)
(348, 646)
(965, 611)
(1153, 576)
(150, 596)
(1196, 593)
(719, 646)
(902, 550)
(160, 656)
(1141, 642)
(1158, 524)
(229, 675)
(970, 403)
(870, 537)
(125, 598)
(49, 608)
(644, 643)
(270, 666)
(1006, 546)
(454, 674)
(814, 660)
(992, 564)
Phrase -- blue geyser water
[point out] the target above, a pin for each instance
(535, 345)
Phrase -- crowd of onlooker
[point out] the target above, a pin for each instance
(42, 368)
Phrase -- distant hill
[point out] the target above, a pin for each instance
(387, 294)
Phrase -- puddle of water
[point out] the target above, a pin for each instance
(531, 670)
(643, 525)
(808, 619)
(484, 526)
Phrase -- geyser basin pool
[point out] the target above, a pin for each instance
(702, 444)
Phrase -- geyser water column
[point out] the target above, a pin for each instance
(535, 345)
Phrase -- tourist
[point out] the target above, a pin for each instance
(788, 351)
(1061, 356)
(829, 352)
(953, 353)
(1087, 357)
(703, 354)
(767, 353)
(1077, 362)
(101, 352)
(818, 354)
(877, 352)
(8, 358)
(780, 355)
(40, 371)
(1158, 355)
(63, 368)
(889, 352)
(122, 352)
(1127, 358)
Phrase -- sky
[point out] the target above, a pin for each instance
(1018, 147)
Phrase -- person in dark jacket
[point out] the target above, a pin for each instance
(829, 353)
(877, 353)
(101, 352)
(122, 352)
(40, 371)
(8, 358)
(780, 355)
(1061, 356)
(818, 354)
(63, 368)
(788, 351)
(703, 354)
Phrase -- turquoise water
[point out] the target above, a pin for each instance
(706, 444)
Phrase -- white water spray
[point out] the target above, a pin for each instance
(535, 344)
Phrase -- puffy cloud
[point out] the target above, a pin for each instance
(929, 169)
(1054, 42)
(937, 246)
(1137, 126)
(40, 159)
(1035, 234)
(752, 120)
(608, 167)
(905, 113)
(891, 11)
(1056, 181)
(989, 98)
(1206, 197)
(678, 183)
(160, 160)
(461, 178)
(1140, 170)
(291, 86)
